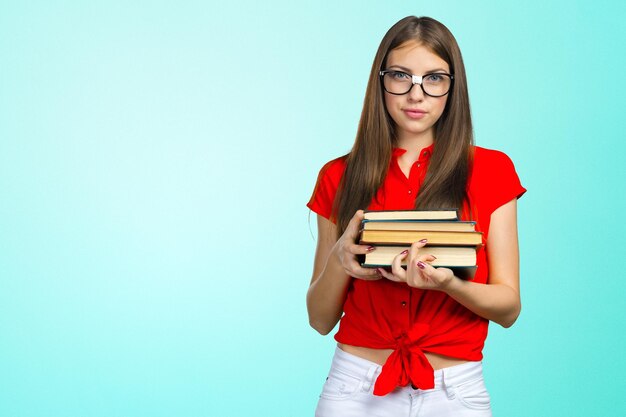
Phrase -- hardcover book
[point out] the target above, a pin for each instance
(404, 237)
(391, 215)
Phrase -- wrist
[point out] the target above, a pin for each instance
(452, 285)
(334, 263)
(334, 256)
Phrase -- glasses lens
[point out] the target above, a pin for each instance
(397, 82)
(436, 84)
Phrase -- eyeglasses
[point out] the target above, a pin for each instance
(436, 84)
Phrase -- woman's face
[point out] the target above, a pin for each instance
(415, 113)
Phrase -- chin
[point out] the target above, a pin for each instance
(416, 130)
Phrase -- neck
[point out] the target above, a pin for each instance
(411, 141)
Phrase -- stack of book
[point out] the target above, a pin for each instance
(452, 241)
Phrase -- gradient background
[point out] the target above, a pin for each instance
(155, 155)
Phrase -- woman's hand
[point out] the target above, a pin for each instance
(346, 251)
(335, 264)
(419, 273)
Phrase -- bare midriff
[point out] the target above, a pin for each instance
(380, 356)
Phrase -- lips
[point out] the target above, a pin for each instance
(414, 113)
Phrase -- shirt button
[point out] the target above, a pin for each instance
(409, 191)
(419, 165)
(403, 303)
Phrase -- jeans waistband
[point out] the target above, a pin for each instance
(369, 371)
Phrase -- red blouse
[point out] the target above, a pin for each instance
(384, 314)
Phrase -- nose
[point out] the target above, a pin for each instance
(416, 93)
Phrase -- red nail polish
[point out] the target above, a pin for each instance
(404, 252)
(423, 240)
(370, 248)
(421, 264)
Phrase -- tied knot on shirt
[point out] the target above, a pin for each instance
(407, 363)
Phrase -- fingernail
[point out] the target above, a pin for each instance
(423, 240)
(370, 248)
(404, 252)
(434, 257)
(421, 264)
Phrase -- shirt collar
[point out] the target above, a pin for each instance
(424, 155)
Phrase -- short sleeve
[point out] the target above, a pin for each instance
(328, 180)
(502, 182)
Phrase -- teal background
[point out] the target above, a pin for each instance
(155, 162)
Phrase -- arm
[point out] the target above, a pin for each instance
(498, 301)
(335, 263)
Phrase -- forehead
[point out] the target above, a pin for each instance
(416, 57)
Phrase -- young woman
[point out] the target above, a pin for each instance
(410, 341)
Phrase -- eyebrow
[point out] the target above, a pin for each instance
(409, 71)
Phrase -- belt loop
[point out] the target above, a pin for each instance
(369, 378)
(446, 385)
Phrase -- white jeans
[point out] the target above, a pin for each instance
(348, 392)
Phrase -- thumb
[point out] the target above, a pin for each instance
(355, 222)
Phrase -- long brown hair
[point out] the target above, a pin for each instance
(368, 162)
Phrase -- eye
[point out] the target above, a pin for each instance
(400, 76)
(434, 78)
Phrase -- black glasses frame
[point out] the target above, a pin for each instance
(415, 79)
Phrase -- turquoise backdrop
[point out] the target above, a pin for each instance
(155, 162)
